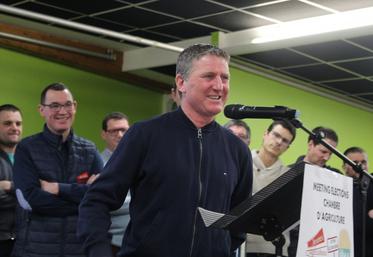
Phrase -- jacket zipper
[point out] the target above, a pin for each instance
(199, 136)
(64, 179)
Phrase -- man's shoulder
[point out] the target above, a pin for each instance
(159, 121)
(82, 142)
(31, 139)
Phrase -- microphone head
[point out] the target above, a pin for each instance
(234, 111)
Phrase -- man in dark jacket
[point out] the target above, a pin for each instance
(359, 156)
(174, 164)
(10, 135)
(52, 171)
(318, 155)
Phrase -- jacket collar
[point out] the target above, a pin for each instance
(181, 116)
(53, 139)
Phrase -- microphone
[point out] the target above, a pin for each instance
(239, 111)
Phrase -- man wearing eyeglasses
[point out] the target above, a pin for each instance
(114, 126)
(359, 156)
(267, 167)
(52, 172)
(240, 129)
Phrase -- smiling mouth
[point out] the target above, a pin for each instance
(215, 97)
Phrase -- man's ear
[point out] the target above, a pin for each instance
(40, 110)
(179, 81)
(310, 144)
(103, 135)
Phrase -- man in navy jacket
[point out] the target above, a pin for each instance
(174, 164)
(52, 171)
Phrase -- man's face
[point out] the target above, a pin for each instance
(10, 128)
(206, 89)
(359, 158)
(114, 132)
(276, 141)
(319, 154)
(241, 133)
(59, 119)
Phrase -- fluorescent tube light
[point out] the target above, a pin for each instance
(314, 26)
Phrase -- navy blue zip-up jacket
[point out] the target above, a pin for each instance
(49, 229)
(171, 168)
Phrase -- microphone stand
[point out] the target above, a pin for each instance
(364, 177)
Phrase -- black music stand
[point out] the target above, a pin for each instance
(269, 212)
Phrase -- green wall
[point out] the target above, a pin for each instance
(353, 126)
(23, 77)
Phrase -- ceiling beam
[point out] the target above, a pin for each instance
(150, 57)
(73, 53)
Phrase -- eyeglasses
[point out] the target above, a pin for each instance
(116, 131)
(362, 163)
(56, 107)
(284, 141)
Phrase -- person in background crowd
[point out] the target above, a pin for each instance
(52, 171)
(173, 164)
(267, 167)
(175, 96)
(318, 155)
(10, 135)
(359, 156)
(240, 129)
(114, 126)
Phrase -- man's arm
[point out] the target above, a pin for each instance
(74, 192)
(7, 199)
(26, 179)
(107, 193)
(243, 191)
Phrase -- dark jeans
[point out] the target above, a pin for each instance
(6, 248)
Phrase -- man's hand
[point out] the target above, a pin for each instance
(92, 178)
(5, 185)
(50, 187)
(370, 213)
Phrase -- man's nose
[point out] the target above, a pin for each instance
(218, 83)
(326, 157)
(14, 126)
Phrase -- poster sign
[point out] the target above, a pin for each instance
(326, 223)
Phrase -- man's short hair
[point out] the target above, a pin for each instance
(286, 124)
(354, 149)
(54, 86)
(10, 108)
(325, 133)
(195, 52)
(239, 123)
(113, 116)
